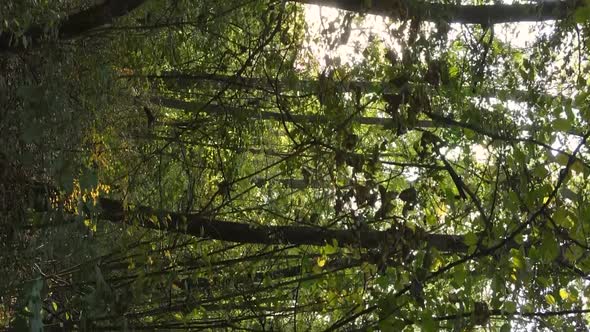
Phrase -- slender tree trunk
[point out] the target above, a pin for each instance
(76, 24)
(194, 107)
(469, 14)
(201, 226)
(178, 81)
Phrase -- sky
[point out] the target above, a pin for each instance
(519, 35)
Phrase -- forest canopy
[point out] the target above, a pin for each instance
(311, 165)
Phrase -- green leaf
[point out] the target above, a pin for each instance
(88, 179)
(454, 71)
(510, 306)
(469, 134)
(506, 327)
(562, 125)
(562, 159)
(582, 14)
(528, 308)
(517, 262)
(561, 217)
(392, 325)
(459, 275)
(580, 99)
(428, 323)
(549, 248)
(540, 171)
(578, 166)
(387, 301)
(329, 250)
(470, 239)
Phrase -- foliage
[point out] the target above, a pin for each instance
(197, 165)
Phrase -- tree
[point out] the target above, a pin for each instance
(436, 182)
(73, 25)
(457, 13)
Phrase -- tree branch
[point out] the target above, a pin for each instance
(76, 24)
(202, 226)
(467, 14)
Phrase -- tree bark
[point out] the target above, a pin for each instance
(76, 24)
(180, 81)
(194, 107)
(205, 227)
(468, 14)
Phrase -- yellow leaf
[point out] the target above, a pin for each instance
(438, 262)
(154, 219)
(563, 294)
(550, 299)
(321, 261)
(440, 210)
(517, 262)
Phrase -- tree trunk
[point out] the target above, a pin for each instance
(205, 227)
(468, 14)
(193, 107)
(178, 81)
(76, 24)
